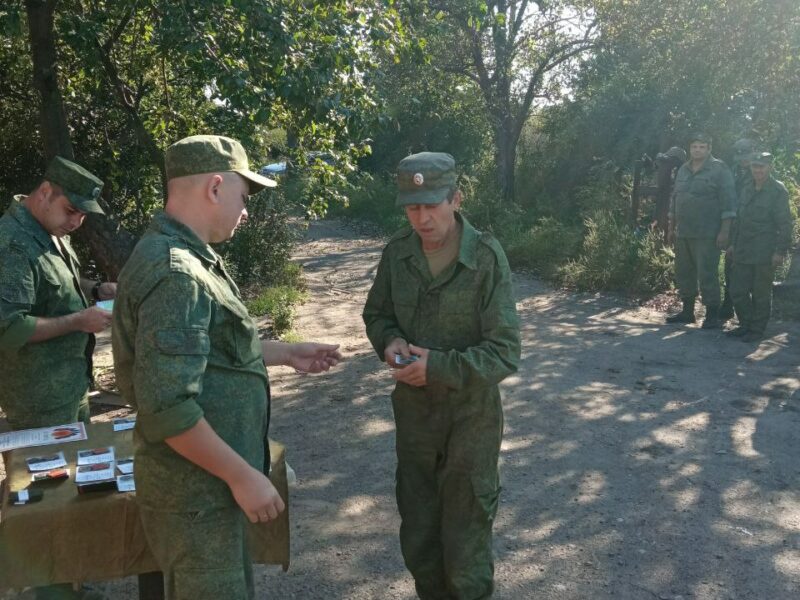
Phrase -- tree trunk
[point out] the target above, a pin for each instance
(109, 244)
(506, 157)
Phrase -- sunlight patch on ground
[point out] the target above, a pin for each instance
(317, 483)
(594, 402)
(591, 488)
(357, 506)
(375, 427)
(742, 432)
(561, 449)
(544, 531)
(788, 563)
(679, 433)
(509, 445)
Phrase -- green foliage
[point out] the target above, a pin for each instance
(543, 248)
(279, 304)
(372, 199)
(613, 257)
(258, 255)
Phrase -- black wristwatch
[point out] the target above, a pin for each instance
(96, 290)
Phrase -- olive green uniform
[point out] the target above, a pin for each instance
(449, 431)
(700, 202)
(764, 228)
(44, 383)
(186, 348)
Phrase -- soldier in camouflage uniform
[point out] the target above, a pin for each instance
(742, 150)
(442, 294)
(702, 208)
(762, 240)
(188, 357)
(46, 324)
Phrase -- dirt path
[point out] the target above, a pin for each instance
(639, 461)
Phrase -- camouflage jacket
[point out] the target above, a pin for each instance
(466, 316)
(186, 348)
(37, 281)
(701, 200)
(764, 225)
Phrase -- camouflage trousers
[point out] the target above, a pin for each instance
(202, 554)
(447, 491)
(697, 261)
(751, 288)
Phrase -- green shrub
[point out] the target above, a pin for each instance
(543, 248)
(279, 304)
(614, 257)
(258, 255)
(372, 199)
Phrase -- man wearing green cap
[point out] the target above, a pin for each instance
(46, 323)
(762, 240)
(702, 207)
(441, 312)
(188, 357)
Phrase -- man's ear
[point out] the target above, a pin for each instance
(213, 187)
(457, 198)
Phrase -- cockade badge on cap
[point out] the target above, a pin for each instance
(418, 179)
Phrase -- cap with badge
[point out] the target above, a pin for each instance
(80, 187)
(425, 178)
(200, 154)
(761, 158)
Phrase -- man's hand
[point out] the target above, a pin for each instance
(396, 346)
(312, 357)
(107, 290)
(416, 373)
(777, 260)
(723, 240)
(92, 320)
(257, 497)
(729, 253)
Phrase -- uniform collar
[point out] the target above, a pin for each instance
(28, 222)
(467, 251)
(163, 223)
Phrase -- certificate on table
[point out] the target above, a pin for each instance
(43, 436)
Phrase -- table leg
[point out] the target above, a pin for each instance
(151, 586)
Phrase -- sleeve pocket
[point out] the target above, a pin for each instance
(183, 341)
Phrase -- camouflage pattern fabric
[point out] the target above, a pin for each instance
(764, 224)
(449, 431)
(206, 562)
(701, 200)
(50, 377)
(185, 348)
(697, 260)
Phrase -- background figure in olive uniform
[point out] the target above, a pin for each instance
(762, 240)
(442, 294)
(188, 357)
(46, 324)
(740, 170)
(703, 205)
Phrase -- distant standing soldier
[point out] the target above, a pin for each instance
(703, 205)
(442, 298)
(762, 240)
(742, 150)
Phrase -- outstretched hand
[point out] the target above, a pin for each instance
(313, 357)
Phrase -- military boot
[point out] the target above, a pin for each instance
(687, 313)
(712, 317)
(726, 310)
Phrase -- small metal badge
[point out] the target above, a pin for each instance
(418, 179)
(96, 193)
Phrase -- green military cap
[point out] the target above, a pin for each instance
(199, 154)
(742, 149)
(80, 187)
(700, 136)
(761, 158)
(425, 178)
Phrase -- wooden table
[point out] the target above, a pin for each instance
(68, 537)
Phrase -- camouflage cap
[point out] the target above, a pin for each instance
(742, 149)
(199, 154)
(80, 187)
(761, 158)
(700, 136)
(425, 178)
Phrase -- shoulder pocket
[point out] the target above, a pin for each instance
(183, 341)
